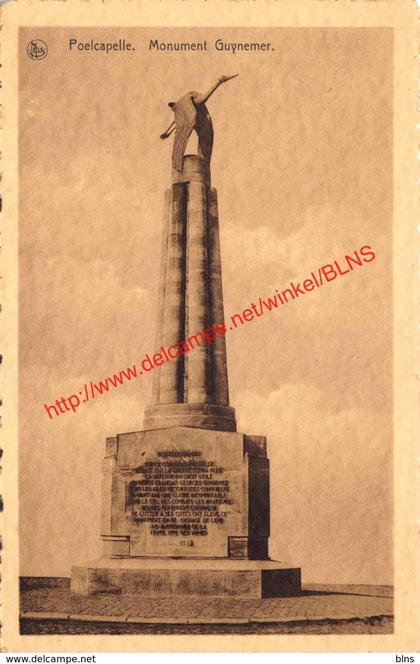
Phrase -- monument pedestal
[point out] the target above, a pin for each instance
(161, 577)
(186, 511)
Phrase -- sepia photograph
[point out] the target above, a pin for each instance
(208, 373)
(206, 335)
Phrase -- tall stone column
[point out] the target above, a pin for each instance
(169, 380)
(219, 387)
(192, 389)
(198, 378)
(162, 287)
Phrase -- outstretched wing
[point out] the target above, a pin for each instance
(205, 133)
(185, 117)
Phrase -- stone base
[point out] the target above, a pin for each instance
(158, 577)
(185, 492)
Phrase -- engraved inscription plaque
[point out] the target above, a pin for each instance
(179, 494)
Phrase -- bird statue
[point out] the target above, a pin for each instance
(191, 113)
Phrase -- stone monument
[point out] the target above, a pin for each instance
(185, 502)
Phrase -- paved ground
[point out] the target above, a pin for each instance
(355, 626)
(320, 609)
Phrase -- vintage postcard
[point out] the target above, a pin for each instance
(209, 268)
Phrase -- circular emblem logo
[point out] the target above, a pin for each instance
(37, 49)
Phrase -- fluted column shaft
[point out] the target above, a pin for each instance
(191, 386)
(167, 216)
(198, 378)
(219, 387)
(171, 373)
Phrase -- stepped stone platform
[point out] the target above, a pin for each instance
(160, 577)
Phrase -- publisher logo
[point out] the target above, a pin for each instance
(37, 49)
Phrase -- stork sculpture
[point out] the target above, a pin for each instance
(191, 113)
